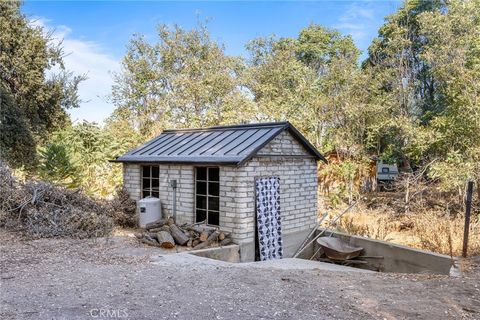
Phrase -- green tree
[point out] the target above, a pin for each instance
(16, 141)
(423, 79)
(282, 86)
(88, 148)
(315, 82)
(402, 89)
(34, 83)
(183, 80)
(453, 54)
(310, 80)
(57, 167)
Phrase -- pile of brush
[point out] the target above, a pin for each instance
(45, 210)
(166, 234)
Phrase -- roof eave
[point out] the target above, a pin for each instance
(129, 157)
(192, 162)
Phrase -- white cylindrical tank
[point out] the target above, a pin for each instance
(150, 210)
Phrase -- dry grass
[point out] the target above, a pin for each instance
(428, 230)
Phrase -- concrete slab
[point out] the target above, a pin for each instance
(188, 261)
(130, 246)
(301, 264)
(118, 246)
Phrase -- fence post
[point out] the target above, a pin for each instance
(468, 208)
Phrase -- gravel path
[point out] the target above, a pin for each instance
(85, 279)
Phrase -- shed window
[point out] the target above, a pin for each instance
(150, 181)
(207, 192)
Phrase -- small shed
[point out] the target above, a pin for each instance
(256, 181)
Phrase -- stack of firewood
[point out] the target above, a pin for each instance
(166, 233)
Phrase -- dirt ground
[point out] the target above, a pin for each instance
(119, 278)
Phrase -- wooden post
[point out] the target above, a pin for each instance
(468, 209)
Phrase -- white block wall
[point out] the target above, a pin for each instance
(283, 144)
(298, 200)
(298, 188)
(184, 175)
(132, 180)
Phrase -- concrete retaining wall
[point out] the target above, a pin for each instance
(397, 258)
(291, 242)
(229, 253)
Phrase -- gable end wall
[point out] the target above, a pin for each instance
(283, 144)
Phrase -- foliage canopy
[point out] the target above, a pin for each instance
(35, 87)
(414, 100)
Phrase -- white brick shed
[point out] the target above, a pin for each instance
(218, 172)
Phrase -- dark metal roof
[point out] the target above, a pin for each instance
(215, 145)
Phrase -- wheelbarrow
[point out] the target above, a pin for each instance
(336, 249)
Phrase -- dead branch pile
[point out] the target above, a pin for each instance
(124, 209)
(166, 234)
(45, 210)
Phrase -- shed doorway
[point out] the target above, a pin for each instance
(268, 226)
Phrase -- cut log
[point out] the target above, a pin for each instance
(223, 235)
(138, 235)
(195, 242)
(162, 228)
(149, 238)
(203, 236)
(193, 235)
(201, 228)
(155, 224)
(189, 243)
(170, 221)
(225, 241)
(212, 238)
(178, 235)
(150, 242)
(152, 235)
(193, 229)
(165, 240)
(165, 228)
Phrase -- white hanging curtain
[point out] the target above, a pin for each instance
(268, 218)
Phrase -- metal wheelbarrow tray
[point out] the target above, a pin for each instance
(336, 249)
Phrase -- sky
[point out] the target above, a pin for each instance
(95, 34)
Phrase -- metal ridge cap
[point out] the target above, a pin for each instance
(236, 126)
